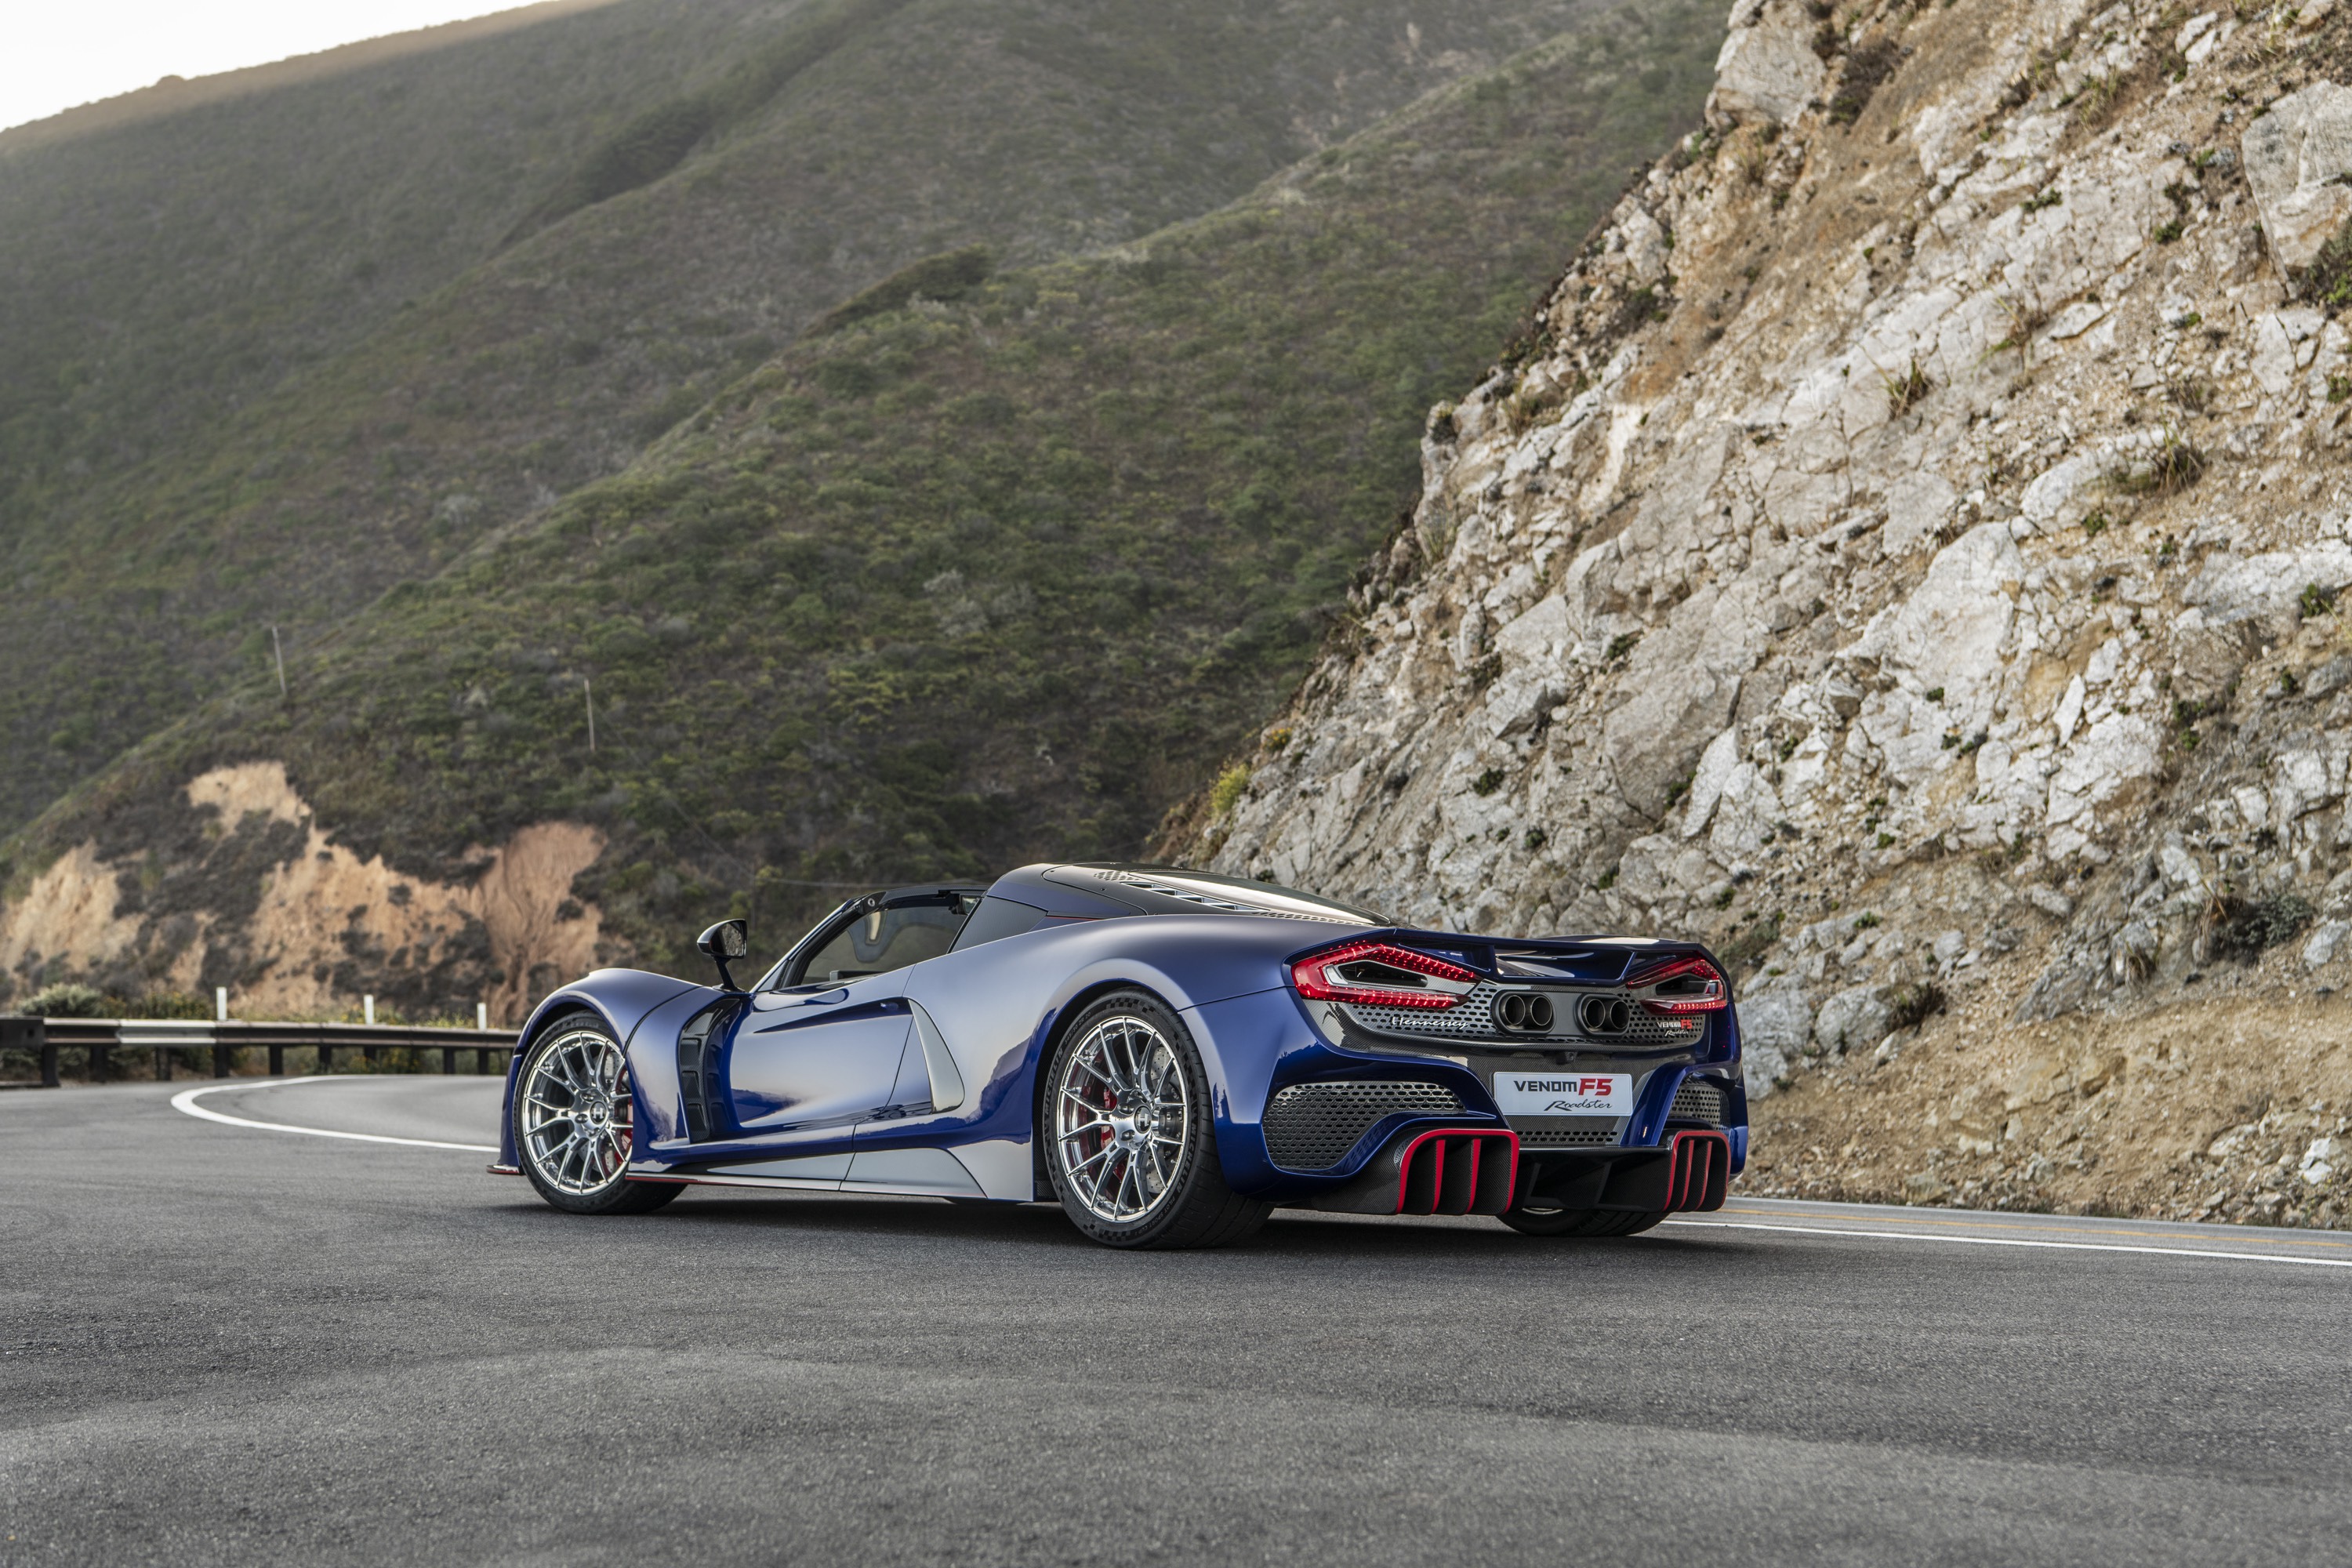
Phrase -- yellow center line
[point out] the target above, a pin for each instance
(2024, 1222)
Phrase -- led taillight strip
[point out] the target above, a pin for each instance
(1713, 998)
(1316, 976)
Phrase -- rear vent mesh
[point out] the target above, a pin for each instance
(1311, 1126)
(1569, 1132)
(1698, 1101)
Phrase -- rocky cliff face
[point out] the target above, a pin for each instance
(1903, 549)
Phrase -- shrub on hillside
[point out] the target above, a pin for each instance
(67, 1000)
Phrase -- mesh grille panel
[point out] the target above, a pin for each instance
(1473, 1018)
(1698, 1101)
(1646, 1028)
(1567, 1137)
(1311, 1126)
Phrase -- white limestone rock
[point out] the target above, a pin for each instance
(1949, 633)
(2268, 587)
(2295, 157)
(1766, 68)
(1775, 1023)
(1917, 507)
(1854, 1020)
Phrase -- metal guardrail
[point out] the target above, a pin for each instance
(167, 1036)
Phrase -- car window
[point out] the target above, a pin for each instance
(882, 940)
(998, 918)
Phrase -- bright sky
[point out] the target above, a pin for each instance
(54, 54)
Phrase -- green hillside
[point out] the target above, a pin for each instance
(966, 579)
(269, 356)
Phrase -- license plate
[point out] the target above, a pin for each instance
(1564, 1093)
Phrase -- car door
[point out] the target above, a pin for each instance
(821, 1051)
(807, 1065)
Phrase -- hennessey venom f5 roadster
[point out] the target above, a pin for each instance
(1169, 1055)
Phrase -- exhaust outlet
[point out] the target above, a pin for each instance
(1524, 1011)
(1603, 1014)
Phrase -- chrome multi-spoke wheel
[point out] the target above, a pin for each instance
(576, 1113)
(574, 1122)
(1122, 1116)
(1124, 1111)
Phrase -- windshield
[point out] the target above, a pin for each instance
(878, 934)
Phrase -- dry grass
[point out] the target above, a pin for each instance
(1905, 392)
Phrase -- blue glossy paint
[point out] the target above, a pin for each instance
(831, 1070)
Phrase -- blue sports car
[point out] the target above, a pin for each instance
(1169, 1055)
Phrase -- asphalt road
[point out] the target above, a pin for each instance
(221, 1343)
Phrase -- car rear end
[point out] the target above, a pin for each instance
(1467, 1075)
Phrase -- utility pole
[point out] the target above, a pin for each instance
(278, 649)
(588, 695)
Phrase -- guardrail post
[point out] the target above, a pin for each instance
(220, 1059)
(326, 1057)
(277, 1060)
(32, 1035)
(482, 1059)
(102, 1061)
(163, 1064)
(448, 1058)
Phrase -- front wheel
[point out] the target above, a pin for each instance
(1579, 1222)
(1131, 1148)
(574, 1122)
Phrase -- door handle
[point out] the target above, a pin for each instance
(770, 1001)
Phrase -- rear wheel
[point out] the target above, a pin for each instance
(1579, 1222)
(574, 1122)
(1131, 1148)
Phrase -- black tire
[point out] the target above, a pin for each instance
(1581, 1222)
(1120, 1141)
(576, 1076)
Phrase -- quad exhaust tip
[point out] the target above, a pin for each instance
(1528, 1011)
(1604, 1015)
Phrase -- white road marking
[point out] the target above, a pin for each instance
(185, 1100)
(2018, 1241)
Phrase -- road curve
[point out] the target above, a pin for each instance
(229, 1342)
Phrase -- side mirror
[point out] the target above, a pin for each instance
(723, 944)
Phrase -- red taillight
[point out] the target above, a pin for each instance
(1382, 975)
(1679, 986)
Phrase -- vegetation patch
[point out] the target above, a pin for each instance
(658, 140)
(2330, 281)
(1910, 1005)
(1867, 67)
(950, 275)
(2245, 929)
